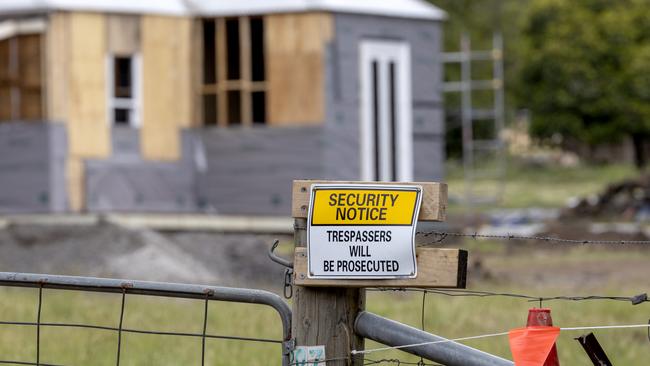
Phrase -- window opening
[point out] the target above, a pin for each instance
(257, 49)
(232, 48)
(209, 52)
(123, 87)
(124, 101)
(259, 107)
(210, 109)
(233, 81)
(393, 127)
(234, 107)
(375, 115)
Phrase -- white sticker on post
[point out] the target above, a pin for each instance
(308, 356)
(362, 231)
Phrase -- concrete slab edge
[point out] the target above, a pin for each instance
(163, 222)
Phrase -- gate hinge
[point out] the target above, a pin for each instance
(289, 346)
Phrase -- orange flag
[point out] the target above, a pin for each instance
(530, 346)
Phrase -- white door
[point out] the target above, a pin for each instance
(386, 111)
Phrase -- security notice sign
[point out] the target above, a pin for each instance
(364, 231)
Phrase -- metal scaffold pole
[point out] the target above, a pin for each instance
(479, 143)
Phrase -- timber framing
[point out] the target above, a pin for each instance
(226, 94)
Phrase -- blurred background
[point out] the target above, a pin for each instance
(159, 141)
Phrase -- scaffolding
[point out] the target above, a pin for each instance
(490, 146)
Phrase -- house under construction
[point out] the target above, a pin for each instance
(213, 105)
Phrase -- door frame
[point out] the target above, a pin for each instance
(385, 52)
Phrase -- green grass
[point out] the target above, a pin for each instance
(539, 186)
(73, 346)
(460, 317)
(449, 317)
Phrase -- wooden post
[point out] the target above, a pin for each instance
(324, 311)
(326, 315)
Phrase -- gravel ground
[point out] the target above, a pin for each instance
(107, 250)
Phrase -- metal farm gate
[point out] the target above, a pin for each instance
(160, 289)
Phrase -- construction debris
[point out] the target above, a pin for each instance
(628, 200)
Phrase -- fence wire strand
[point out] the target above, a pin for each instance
(366, 361)
(38, 324)
(205, 328)
(441, 236)
(398, 362)
(3, 362)
(140, 331)
(120, 329)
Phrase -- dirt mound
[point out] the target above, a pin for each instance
(107, 250)
(626, 200)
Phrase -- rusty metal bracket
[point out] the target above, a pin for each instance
(593, 349)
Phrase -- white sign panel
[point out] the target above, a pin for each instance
(362, 231)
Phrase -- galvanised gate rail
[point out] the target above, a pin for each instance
(128, 287)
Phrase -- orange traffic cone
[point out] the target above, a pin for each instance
(542, 317)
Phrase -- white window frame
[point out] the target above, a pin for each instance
(385, 52)
(133, 104)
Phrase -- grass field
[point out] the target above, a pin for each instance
(450, 317)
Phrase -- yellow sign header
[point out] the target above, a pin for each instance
(364, 206)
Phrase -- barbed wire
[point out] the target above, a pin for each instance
(441, 236)
(397, 362)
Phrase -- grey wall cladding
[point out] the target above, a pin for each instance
(32, 167)
(342, 92)
(126, 182)
(250, 170)
(222, 170)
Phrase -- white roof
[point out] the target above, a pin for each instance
(397, 8)
(168, 7)
(419, 9)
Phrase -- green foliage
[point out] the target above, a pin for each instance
(585, 68)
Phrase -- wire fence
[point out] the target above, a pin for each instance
(437, 237)
(634, 300)
(207, 294)
(441, 236)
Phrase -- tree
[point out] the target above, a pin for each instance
(585, 70)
